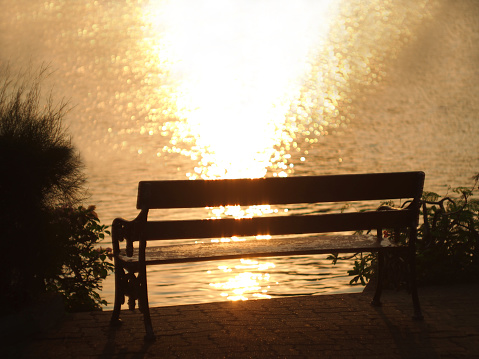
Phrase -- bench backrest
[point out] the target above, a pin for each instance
(279, 191)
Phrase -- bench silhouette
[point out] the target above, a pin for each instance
(130, 261)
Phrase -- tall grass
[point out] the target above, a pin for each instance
(37, 154)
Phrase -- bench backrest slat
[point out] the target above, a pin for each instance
(229, 227)
(272, 191)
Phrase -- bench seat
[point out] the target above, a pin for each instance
(254, 248)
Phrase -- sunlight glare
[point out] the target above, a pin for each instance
(239, 65)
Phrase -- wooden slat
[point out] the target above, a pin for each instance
(290, 190)
(261, 248)
(228, 227)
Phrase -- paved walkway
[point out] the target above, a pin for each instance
(329, 326)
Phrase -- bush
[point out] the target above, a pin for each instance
(447, 249)
(41, 171)
(41, 164)
(79, 265)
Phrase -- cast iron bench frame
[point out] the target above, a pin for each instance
(130, 263)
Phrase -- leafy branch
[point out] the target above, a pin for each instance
(447, 248)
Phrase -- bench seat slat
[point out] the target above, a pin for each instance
(229, 227)
(261, 248)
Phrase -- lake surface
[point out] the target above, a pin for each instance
(226, 89)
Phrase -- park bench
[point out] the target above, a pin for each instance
(325, 232)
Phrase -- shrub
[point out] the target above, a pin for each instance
(447, 249)
(79, 264)
(43, 168)
(41, 171)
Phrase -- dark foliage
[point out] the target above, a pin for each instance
(41, 171)
(447, 248)
(78, 264)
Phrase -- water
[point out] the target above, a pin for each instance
(207, 89)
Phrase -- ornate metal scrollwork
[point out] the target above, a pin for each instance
(130, 287)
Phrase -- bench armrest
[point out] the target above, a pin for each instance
(122, 229)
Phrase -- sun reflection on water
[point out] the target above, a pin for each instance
(253, 86)
(252, 279)
(238, 66)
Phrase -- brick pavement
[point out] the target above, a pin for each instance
(328, 326)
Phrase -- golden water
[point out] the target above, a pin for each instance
(225, 89)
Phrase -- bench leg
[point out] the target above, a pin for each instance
(379, 284)
(412, 270)
(144, 306)
(119, 298)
